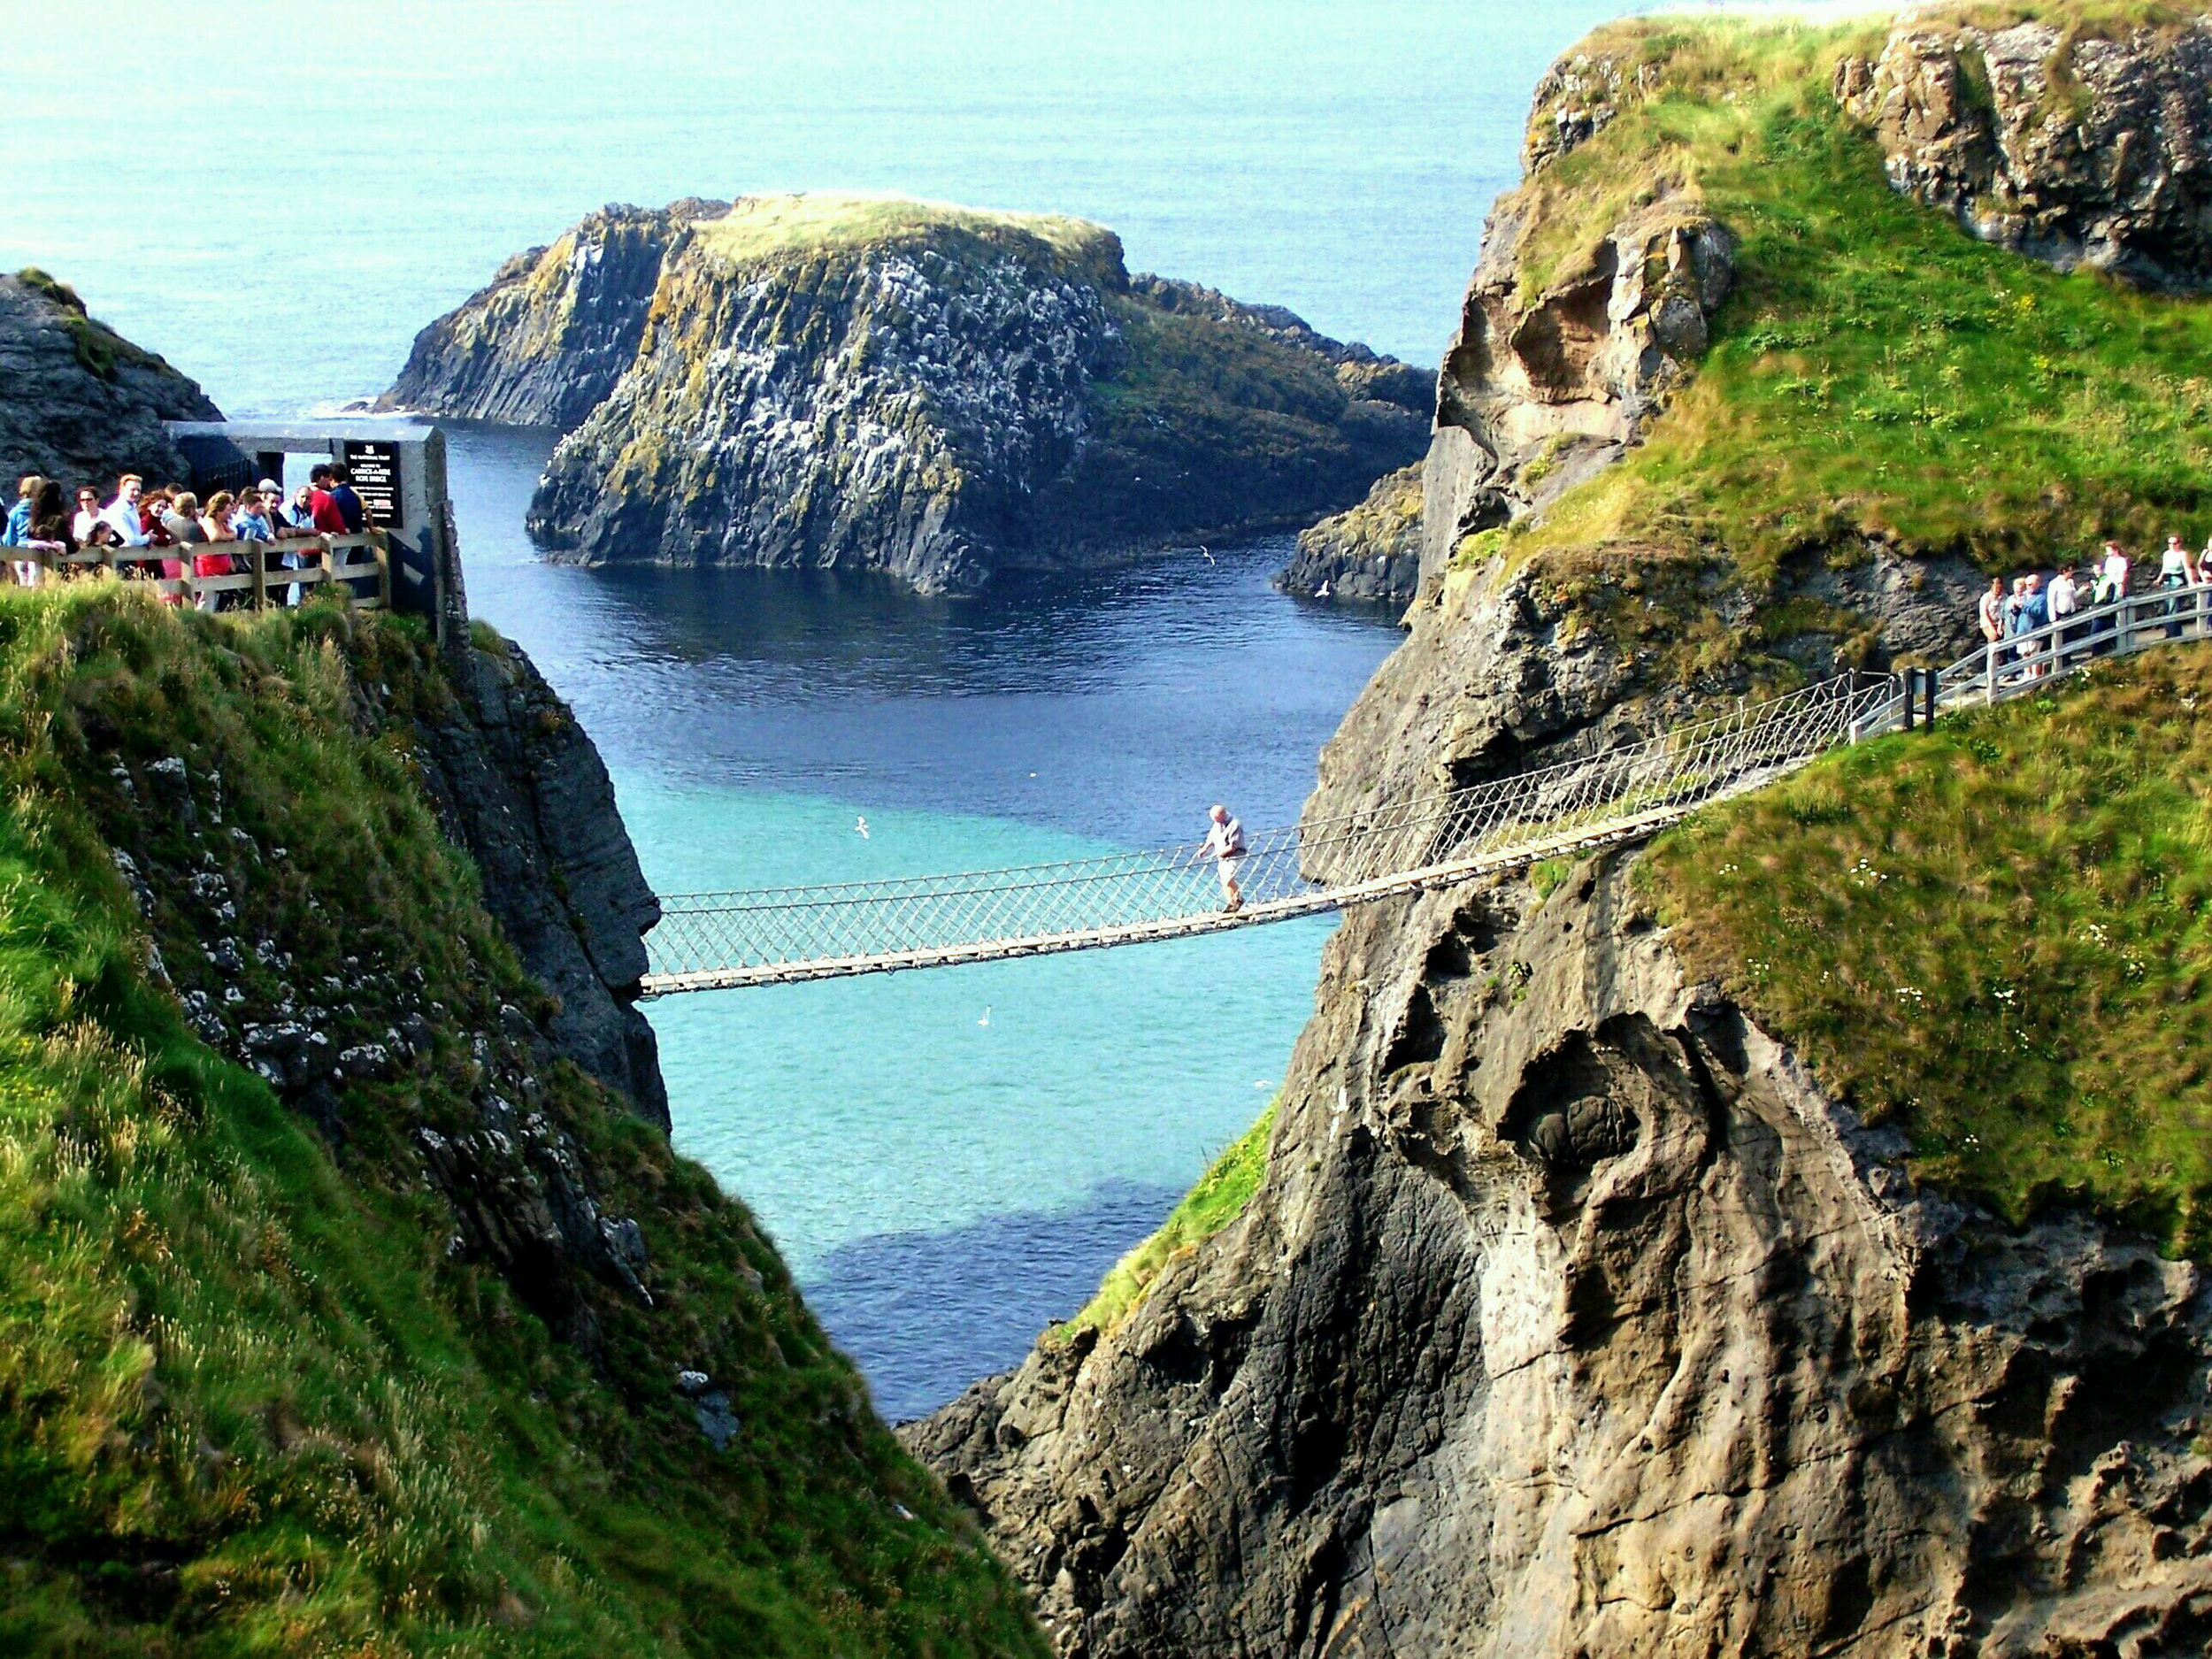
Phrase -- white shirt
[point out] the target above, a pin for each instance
(1226, 839)
(81, 527)
(123, 516)
(2115, 570)
(2061, 595)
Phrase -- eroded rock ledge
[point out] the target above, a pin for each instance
(1572, 1318)
(2070, 146)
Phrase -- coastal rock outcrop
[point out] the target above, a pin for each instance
(546, 340)
(2076, 146)
(1368, 552)
(1568, 342)
(936, 393)
(78, 402)
(1572, 1318)
(519, 783)
(1572, 1315)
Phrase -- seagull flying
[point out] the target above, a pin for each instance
(860, 828)
(1321, 592)
(1206, 553)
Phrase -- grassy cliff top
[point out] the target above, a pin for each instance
(1996, 935)
(1218, 1199)
(759, 227)
(1877, 371)
(250, 1398)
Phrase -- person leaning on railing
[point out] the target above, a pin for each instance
(17, 531)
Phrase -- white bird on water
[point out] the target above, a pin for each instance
(986, 1020)
(860, 828)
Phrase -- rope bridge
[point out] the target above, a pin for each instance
(783, 935)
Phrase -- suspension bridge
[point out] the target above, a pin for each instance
(708, 941)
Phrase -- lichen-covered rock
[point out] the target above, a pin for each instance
(1573, 1318)
(1368, 552)
(932, 392)
(547, 338)
(2075, 147)
(78, 402)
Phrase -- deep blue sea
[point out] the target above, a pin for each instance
(276, 197)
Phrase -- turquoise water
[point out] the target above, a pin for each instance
(296, 190)
(949, 1159)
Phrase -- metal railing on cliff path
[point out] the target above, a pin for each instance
(784, 935)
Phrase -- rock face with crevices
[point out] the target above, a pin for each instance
(2074, 147)
(548, 337)
(1560, 362)
(1571, 1317)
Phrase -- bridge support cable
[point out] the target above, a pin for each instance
(775, 935)
(782, 935)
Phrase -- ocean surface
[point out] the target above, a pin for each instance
(277, 197)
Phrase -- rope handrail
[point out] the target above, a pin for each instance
(788, 934)
(773, 934)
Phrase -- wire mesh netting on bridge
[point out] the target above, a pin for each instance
(773, 935)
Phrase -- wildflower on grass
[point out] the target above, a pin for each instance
(2094, 933)
(1864, 874)
(1913, 994)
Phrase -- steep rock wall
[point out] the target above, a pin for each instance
(2075, 147)
(1572, 1318)
(546, 338)
(78, 402)
(519, 783)
(1556, 368)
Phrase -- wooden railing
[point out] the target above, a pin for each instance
(363, 562)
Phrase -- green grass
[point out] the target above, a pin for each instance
(770, 226)
(249, 1400)
(1218, 1199)
(1996, 935)
(1877, 372)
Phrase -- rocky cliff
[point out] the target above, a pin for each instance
(1573, 1317)
(78, 402)
(1368, 552)
(519, 783)
(1574, 1313)
(345, 1306)
(2079, 145)
(544, 342)
(932, 392)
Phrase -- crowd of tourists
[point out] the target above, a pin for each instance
(2022, 609)
(170, 533)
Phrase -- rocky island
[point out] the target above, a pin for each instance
(1754, 1243)
(937, 393)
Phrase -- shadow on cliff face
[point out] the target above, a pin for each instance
(902, 1304)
